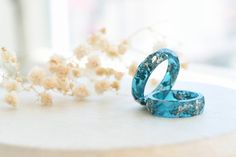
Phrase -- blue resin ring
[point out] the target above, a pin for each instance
(148, 66)
(163, 101)
(177, 104)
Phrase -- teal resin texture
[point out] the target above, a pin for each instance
(163, 101)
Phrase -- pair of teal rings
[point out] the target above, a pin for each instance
(162, 101)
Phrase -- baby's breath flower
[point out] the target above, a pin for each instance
(45, 99)
(153, 82)
(132, 69)
(10, 85)
(70, 65)
(93, 62)
(98, 41)
(123, 47)
(14, 59)
(19, 79)
(103, 30)
(115, 85)
(101, 86)
(76, 72)
(10, 99)
(81, 92)
(36, 75)
(118, 75)
(184, 65)
(49, 82)
(100, 71)
(5, 55)
(111, 51)
(94, 39)
(62, 70)
(81, 51)
(54, 62)
(109, 71)
(63, 85)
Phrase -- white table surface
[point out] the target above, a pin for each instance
(116, 122)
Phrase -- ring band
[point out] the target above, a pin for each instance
(177, 104)
(146, 68)
(163, 101)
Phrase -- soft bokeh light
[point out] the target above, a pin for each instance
(204, 30)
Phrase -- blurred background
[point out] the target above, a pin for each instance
(204, 29)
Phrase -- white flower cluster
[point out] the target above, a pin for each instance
(11, 85)
(63, 75)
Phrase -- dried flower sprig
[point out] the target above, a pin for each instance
(64, 75)
(11, 78)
